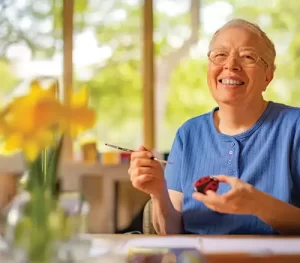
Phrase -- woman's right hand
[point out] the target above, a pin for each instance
(146, 175)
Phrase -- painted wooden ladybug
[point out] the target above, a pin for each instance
(206, 183)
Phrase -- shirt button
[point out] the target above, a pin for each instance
(231, 172)
(230, 152)
(232, 144)
(229, 162)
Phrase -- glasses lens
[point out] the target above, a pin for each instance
(248, 57)
(244, 57)
(218, 56)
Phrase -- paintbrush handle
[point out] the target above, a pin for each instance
(131, 151)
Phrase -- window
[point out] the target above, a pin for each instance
(107, 58)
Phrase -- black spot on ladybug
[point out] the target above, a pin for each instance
(206, 183)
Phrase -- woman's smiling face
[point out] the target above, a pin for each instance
(239, 74)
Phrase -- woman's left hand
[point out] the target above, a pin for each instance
(241, 199)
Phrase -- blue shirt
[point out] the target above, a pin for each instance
(266, 156)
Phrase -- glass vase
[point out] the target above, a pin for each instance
(37, 227)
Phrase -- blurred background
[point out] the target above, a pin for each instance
(145, 77)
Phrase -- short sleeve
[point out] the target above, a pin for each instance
(173, 170)
(295, 165)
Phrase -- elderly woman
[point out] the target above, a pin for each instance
(250, 145)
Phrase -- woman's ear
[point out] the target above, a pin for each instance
(269, 75)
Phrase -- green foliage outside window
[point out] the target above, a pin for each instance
(115, 82)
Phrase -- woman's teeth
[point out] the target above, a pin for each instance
(231, 82)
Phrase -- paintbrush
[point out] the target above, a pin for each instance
(131, 151)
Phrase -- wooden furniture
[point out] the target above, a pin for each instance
(147, 219)
(96, 180)
(73, 175)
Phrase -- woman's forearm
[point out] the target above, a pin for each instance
(282, 216)
(166, 219)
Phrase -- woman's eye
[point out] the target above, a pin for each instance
(220, 55)
(248, 56)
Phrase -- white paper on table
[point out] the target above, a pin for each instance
(215, 245)
(251, 245)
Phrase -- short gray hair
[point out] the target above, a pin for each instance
(270, 55)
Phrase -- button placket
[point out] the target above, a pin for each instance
(230, 160)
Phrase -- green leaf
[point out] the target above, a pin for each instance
(52, 166)
(35, 173)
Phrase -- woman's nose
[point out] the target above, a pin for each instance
(232, 63)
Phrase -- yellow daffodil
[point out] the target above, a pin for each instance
(29, 121)
(32, 123)
(80, 117)
(2, 123)
(31, 145)
(37, 91)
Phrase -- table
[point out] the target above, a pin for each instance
(230, 257)
(234, 257)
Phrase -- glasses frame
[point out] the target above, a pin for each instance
(222, 64)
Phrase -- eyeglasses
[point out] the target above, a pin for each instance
(245, 57)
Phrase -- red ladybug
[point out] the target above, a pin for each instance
(206, 183)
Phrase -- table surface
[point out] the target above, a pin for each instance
(226, 257)
(213, 258)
